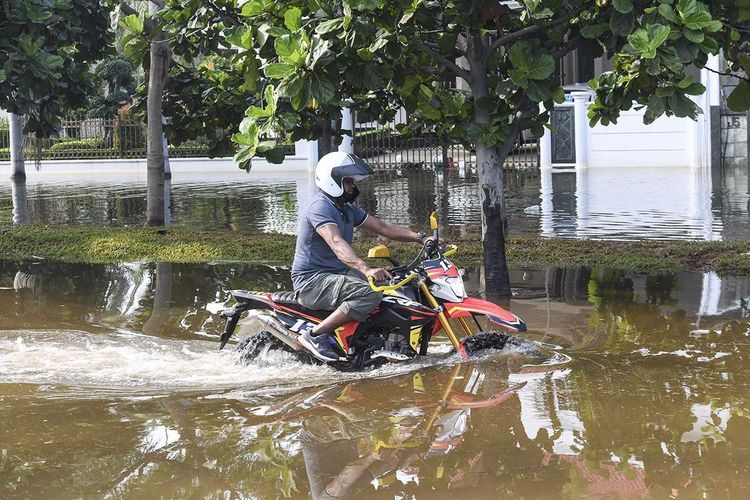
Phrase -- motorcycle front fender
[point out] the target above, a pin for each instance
(494, 313)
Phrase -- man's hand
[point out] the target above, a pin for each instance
(378, 274)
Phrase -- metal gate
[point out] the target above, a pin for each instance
(385, 148)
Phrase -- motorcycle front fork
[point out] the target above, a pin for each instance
(445, 323)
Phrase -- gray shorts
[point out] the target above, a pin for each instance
(350, 293)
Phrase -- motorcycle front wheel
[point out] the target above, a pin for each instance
(483, 341)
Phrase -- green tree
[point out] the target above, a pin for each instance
(293, 60)
(119, 78)
(46, 52)
(315, 57)
(145, 34)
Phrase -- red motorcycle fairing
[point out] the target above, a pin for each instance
(345, 332)
(494, 312)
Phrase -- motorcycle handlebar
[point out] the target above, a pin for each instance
(385, 288)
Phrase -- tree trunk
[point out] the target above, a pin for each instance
(157, 78)
(18, 168)
(162, 299)
(18, 193)
(490, 172)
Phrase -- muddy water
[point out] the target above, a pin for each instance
(111, 385)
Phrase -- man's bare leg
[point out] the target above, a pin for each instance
(329, 325)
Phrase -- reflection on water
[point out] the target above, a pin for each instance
(619, 203)
(112, 386)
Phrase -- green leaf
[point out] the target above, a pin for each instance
(622, 6)
(621, 24)
(300, 99)
(559, 96)
(698, 20)
(666, 11)
(276, 156)
(240, 38)
(132, 23)
(694, 36)
(279, 70)
(744, 60)
(292, 86)
(695, 89)
(323, 89)
(271, 99)
(682, 106)
(519, 78)
(664, 91)
(593, 31)
(739, 99)
(429, 111)
(330, 25)
(3, 76)
(293, 19)
(538, 92)
(709, 46)
(529, 64)
(253, 8)
(687, 7)
(288, 49)
(320, 53)
(365, 54)
(656, 108)
(647, 41)
(265, 146)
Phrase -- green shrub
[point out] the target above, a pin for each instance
(77, 145)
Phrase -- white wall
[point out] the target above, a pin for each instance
(667, 142)
(630, 143)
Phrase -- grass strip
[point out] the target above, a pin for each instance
(127, 244)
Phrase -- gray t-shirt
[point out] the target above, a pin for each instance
(312, 254)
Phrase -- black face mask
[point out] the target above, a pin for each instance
(349, 198)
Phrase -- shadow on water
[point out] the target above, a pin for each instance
(112, 386)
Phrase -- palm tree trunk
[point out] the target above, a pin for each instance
(18, 169)
(157, 78)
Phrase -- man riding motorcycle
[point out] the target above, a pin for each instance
(326, 273)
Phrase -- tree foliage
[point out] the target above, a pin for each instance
(47, 49)
(294, 60)
(475, 72)
(119, 78)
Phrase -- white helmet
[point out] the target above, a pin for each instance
(332, 169)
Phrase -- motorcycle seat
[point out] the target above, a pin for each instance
(289, 299)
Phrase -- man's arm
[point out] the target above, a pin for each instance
(390, 230)
(344, 251)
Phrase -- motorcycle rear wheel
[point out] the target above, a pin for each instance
(260, 345)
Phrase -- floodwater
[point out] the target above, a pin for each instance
(112, 386)
(620, 203)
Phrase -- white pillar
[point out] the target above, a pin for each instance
(580, 105)
(18, 170)
(711, 80)
(545, 193)
(167, 167)
(545, 147)
(582, 201)
(312, 155)
(347, 123)
(18, 190)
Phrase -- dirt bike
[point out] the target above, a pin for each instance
(418, 303)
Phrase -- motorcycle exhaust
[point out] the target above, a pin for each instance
(281, 332)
